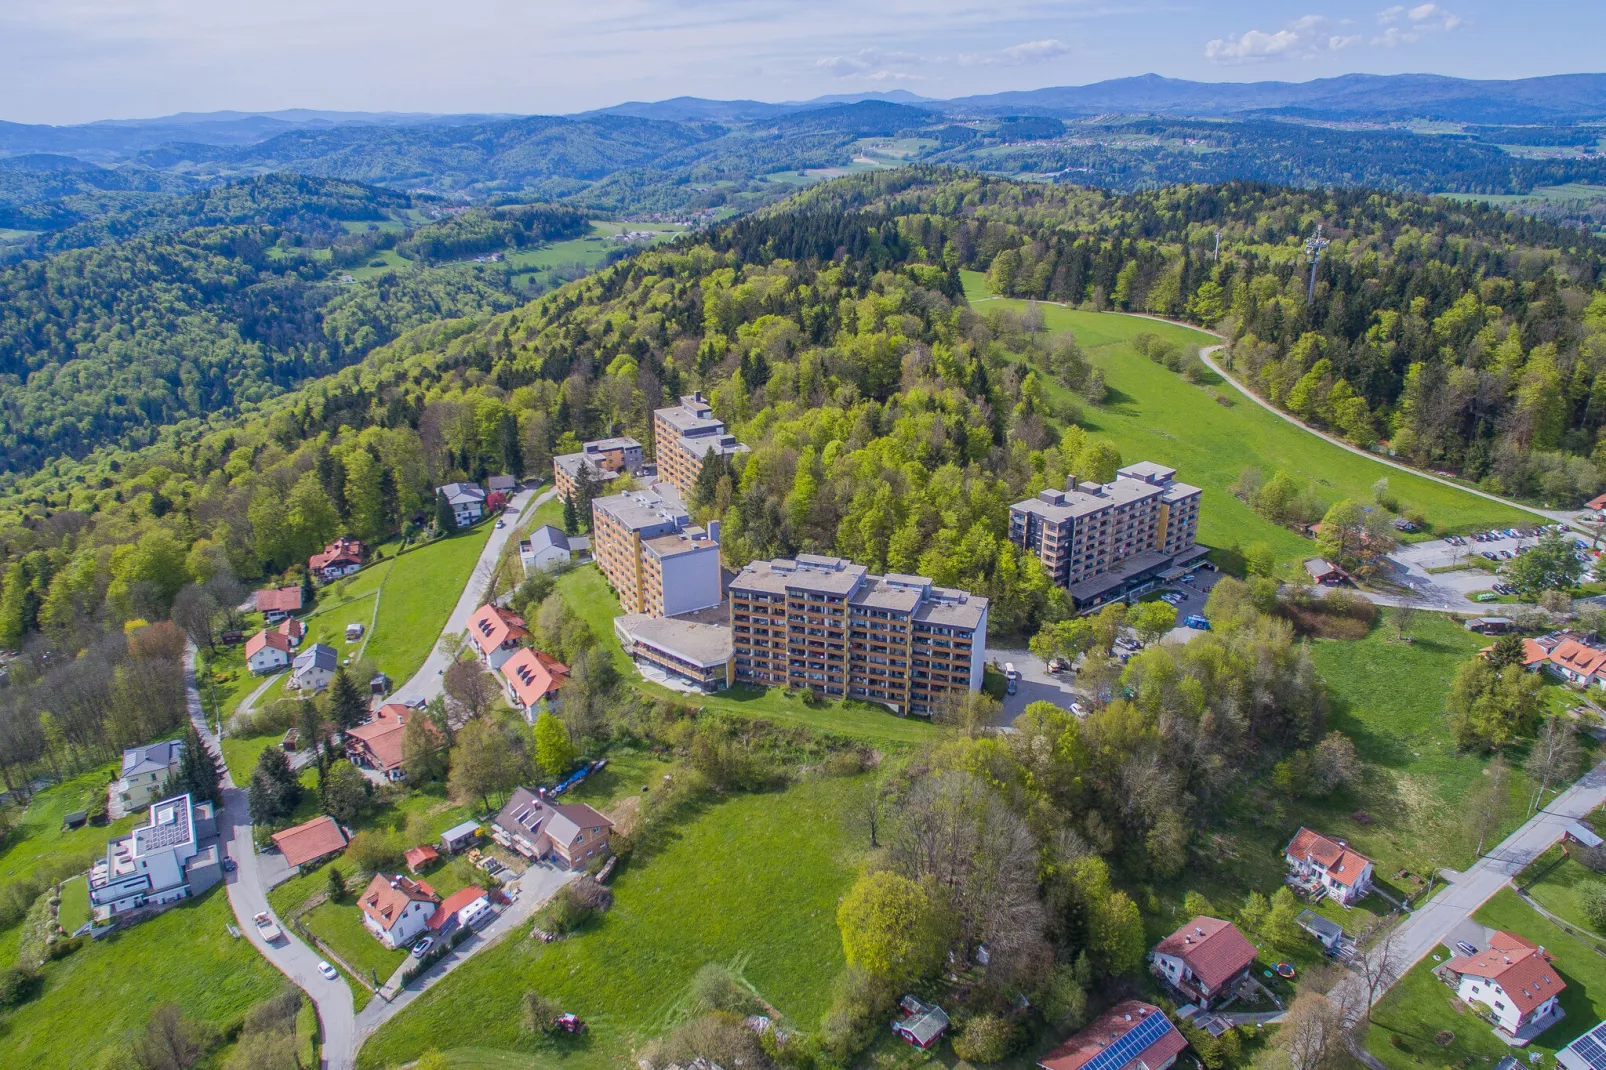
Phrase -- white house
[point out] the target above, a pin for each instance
(1318, 863)
(1514, 982)
(397, 909)
(267, 651)
(145, 770)
(160, 862)
(1203, 959)
(496, 633)
(547, 547)
(466, 499)
(314, 667)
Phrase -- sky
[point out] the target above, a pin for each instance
(71, 61)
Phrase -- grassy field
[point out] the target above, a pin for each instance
(419, 595)
(1420, 1007)
(590, 596)
(98, 997)
(588, 251)
(74, 910)
(627, 973)
(39, 837)
(1154, 414)
(340, 924)
(1559, 883)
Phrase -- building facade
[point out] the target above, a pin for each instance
(829, 625)
(1107, 541)
(605, 458)
(684, 436)
(658, 562)
(693, 653)
(145, 772)
(158, 863)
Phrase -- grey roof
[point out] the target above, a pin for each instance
(655, 512)
(528, 816)
(1313, 922)
(693, 416)
(617, 442)
(952, 609)
(1583, 834)
(547, 537)
(806, 572)
(1148, 471)
(457, 832)
(462, 493)
(171, 826)
(701, 644)
(1175, 492)
(1317, 566)
(1060, 506)
(1129, 569)
(925, 1022)
(318, 656)
(702, 446)
(685, 541)
(152, 758)
(502, 483)
(572, 463)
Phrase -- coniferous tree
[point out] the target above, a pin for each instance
(197, 773)
(274, 790)
(512, 449)
(571, 519)
(347, 707)
(445, 519)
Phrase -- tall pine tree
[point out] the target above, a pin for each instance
(347, 707)
(196, 773)
(445, 519)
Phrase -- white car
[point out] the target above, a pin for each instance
(328, 971)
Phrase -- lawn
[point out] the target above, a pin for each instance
(340, 925)
(1154, 414)
(74, 910)
(589, 594)
(1419, 1008)
(769, 911)
(98, 997)
(1558, 883)
(38, 836)
(418, 596)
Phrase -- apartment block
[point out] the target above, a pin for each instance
(684, 436)
(658, 562)
(605, 458)
(829, 625)
(1104, 542)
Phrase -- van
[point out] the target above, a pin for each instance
(1009, 671)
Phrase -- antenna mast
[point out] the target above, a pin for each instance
(1313, 249)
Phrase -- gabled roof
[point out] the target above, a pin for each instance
(342, 551)
(1106, 1044)
(1533, 653)
(1342, 864)
(533, 675)
(291, 628)
(422, 855)
(461, 493)
(268, 637)
(1214, 950)
(313, 839)
(1521, 968)
(547, 537)
(387, 897)
(492, 626)
(152, 758)
(501, 483)
(453, 903)
(283, 599)
(318, 656)
(1578, 657)
(383, 734)
(527, 815)
(1597, 503)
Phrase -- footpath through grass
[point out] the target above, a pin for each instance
(588, 593)
(751, 882)
(1154, 414)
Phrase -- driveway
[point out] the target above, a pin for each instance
(426, 682)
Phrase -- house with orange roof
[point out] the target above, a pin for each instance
(310, 841)
(397, 909)
(1132, 1035)
(1578, 663)
(1515, 982)
(279, 603)
(533, 678)
(496, 633)
(293, 630)
(1204, 960)
(340, 558)
(267, 651)
(376, 744)
(462, 909)
(1319, 864)
(420, 858)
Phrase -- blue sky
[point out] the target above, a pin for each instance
(79, 60)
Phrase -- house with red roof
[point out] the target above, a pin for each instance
(1578, 663)
(340, 558)
(1204, 960)
(377, 743)
(310, 841)
(267, 651)
(420, 857)
(533, 678)
(496, 633)
(1132, 1035)
(1597, 503)
(1319, 864)
(396, 909)
(462, 909)
(279, 603)
(1514, 981)
(293, 630)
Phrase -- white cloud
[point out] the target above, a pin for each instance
(1408, 25)
(871, 63)
(1016, 55)
(1303, 38)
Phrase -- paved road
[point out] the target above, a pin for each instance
(248, 897)
(426, 682)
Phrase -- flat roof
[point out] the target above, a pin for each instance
(689, 540)
(806, 572)
(1129, 569)
(638, 509)
(701, 644)
(1079, 503)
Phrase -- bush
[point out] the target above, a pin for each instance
(715, 988)
(986, 1039)
(860, 1007)
(16, 985)
(1592, 897)
(569, 908)
(537, 1012)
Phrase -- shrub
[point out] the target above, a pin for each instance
(715, 988)
(537, 1012)
(16, 985)
(986, 1039)
(569, 909)
(860, 1005)
(1592, 897)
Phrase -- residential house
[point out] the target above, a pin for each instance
(464, 908)
(1321, 865)
(1204, 960)
(313, 668)
(1578, 662)
(340, 558)
(161, 862)
(1328, 933)
(292, 629)
(1596, 504)
(570, 834)
(309, 842)
(496, 633)
(267, 651)
(145, 771)
(700, 655)
(532, 678)
(603, 461)
(1514, 981)
(1326, 573)
(397, 909)
(1490, 625)
(377, 743)
(467, 501)
(548, 548)
(504, 485)
(1132, 1035)
(920, 1023)
(279, 603)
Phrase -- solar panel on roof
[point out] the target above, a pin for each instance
(1591, 1047)
(1131, 1044)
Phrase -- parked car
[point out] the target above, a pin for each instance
(266, 927)
(1196, 621)
(1507, 554)
(1466, 948)
(421, 948)
(328, 971)
(1491, 555)
(1078, 709)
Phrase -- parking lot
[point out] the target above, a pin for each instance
(1415, 560)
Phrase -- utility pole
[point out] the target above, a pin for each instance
(1313, 249)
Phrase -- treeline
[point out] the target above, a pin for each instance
(484, 230)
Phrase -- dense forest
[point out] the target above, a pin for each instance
(224, 298)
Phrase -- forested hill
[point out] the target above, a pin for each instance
(227, 297)
(889, 421)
